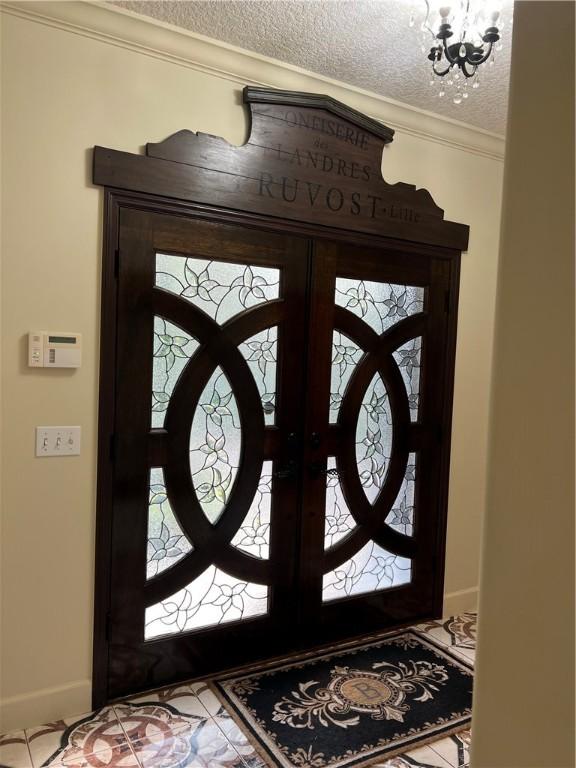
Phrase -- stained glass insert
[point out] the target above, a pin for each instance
(260, 352)
(374, 438)
(211, 599)
(338, 519)
(215, 444)
(345, 357)
(253, 536)
(173, 347)
(401, 516)
(369, 570)
(167, 544)
(408, 360)
(219, 288)
(381, 305)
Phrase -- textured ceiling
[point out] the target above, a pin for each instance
(366, 43)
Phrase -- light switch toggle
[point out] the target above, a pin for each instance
(57, 441)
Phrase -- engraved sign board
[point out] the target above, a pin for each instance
(308, 159)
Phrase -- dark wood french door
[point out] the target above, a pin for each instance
(377, 422)
(280, 464)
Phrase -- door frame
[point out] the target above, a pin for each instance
(116, 200)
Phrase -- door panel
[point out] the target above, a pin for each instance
(210, 321)
(377, 353)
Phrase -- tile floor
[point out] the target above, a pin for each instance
(186, 727)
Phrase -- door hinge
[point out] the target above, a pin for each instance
(116, 262)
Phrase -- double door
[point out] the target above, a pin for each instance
(280, 444)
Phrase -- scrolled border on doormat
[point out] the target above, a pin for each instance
(348, 694)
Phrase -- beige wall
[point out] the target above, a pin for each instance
(524, 698)
(66, 88)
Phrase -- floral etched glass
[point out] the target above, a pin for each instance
(370, 569)
(380, 305)
(212, 598)
(374, 438)
(167, 543)
(219, 288)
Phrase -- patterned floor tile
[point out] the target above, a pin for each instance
(14, 751)
(204, 746)
(166, 711)
(183, 697)
(454, 749)
(423, 757)
(238, 740)
(457, 632)
(209, 699)
(73, 740)
(141, 721)
(120, 756)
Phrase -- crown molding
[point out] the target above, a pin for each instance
(148, 37)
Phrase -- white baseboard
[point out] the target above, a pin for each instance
(460, 601)
(45, 705)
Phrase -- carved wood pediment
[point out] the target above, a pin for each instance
(308, 159)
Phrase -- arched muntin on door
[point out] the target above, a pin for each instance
(277, 354)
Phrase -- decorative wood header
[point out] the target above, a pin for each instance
(309, 158)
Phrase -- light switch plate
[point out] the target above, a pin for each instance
(57, 441)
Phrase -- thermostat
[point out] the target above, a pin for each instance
(54, 349)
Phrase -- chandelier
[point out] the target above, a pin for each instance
(465, 36)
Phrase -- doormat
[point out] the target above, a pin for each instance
(351, 707)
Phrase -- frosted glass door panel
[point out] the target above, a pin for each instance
(211, 599)
(339, 520)
(167, 544)
(261, 354)
(374, 438)
(380, 305)
(369, 570)
(345, 357)
(173, 347)
(253, 536)
(219, 288)
(401, 516)
(215, 445)
(408, 359)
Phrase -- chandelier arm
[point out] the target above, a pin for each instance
(484, 58)
(440, 74)
(465, 71)
(425, 22)
(447, 54)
